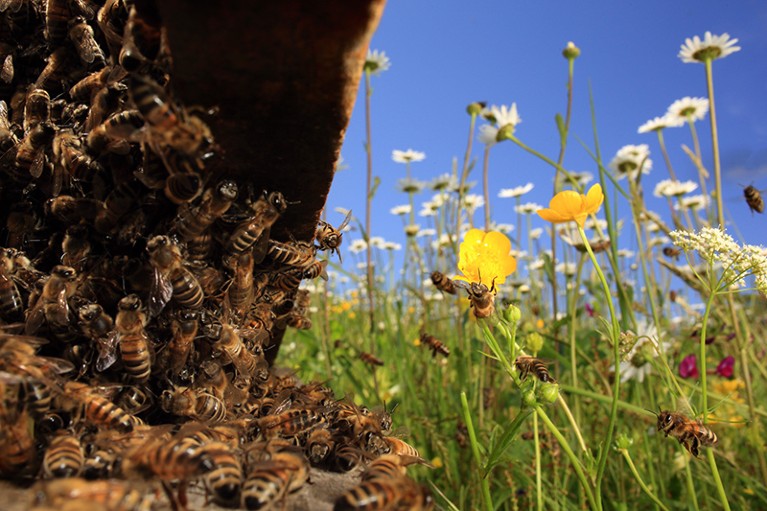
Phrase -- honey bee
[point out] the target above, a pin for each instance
(101, 464)
(71, 160)
(401, 448)
(298, 254)
(72, 210)
(76, 493)
(115, 131)
(753, 199)
(435, 345)
(184, 327)
(64, 456)
(225, 480)
(319, 445)
(255, 230)
(183, 186)
(17, 441)
(386, 493)
(82, 37)
(111, 18)
(240, 292)
(482, 299)
(443, 282)
(75, 247)
(296, 320)
(230, 343)
(291, 422)
(527, 365)
(192, 222)
(692, 434)
(346, 457)
(51, 306)
(51, 76)
(170, 277)
(273, 479)
(57, 14)
(213, 379)
(672, 252)
(115, 207)
(286, 280)
(196, 404)
(11, 304)
(31, 150)
(132, 338)
(370, 359)
(97, 409)
(316, 269)
(37, 109)
(329, 238)
(386, 466)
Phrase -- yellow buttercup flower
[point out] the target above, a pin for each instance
(569, 205)
(485, 258)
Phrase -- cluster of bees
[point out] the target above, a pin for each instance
(142, 298)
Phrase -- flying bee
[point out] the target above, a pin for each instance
(82, 37)
(672, 252)
(97, 326)
(132, 338)
(96, 408)
(31, 150)
(319, 445)
(330, 238)
(37, 109)
(482, 299)
(255, 230)
(435, 345)
(51, 306)
(386, 493)
(370, 359)
(692, 434)
(443, 282)
(527, 365)
(753, 199)
(64, 456)
(170, 277)
(273, 479)
(192, 222)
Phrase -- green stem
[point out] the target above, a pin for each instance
(717, 479)
(715, 143)
(585, 483)
(703, 386)
(486, 185)
(538, 479)
(691, 494)
(368, 205)
(604, 399)
(638, 478)
(617, 363)
(487, 499)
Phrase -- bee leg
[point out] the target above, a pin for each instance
(171, 496)
(694, 447)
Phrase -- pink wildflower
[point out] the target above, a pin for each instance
(688, 368)
(726, 366)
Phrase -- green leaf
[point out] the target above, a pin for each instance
(561, 126)
(376, 183)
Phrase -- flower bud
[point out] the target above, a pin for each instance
(505, 133)
(412, 229)
(534, 342)
(476, 108)
(623, 441)
(571, 52)
(528, 397)
(512, 314)
(549, 391)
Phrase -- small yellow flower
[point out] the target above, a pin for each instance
(485, 258)
(345, 306)
(351, 315)
(569, 205)
(417, 341)
(436, 462)
(411, 310)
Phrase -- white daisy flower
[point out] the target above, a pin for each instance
(660, 123)
(473, 201)
(536, 233)
(527, 208)
(524, 288)
(626, 253)
(357, 246)
(672, 188)
(598, 224)
(377, 241)
(712, 47)
(407, 156)
(567, 269)
(630, 159)
(390, 245)
(504, 228)
(443, 182)
(503, 115)
(517, 191)
(428, 209)
(426, 232)
(410, 185)
(488, 134)
(364, 266)
(438, 199)
(376, 62)
(536, 265)
(403, 209)
(693, 202)
(688, 108)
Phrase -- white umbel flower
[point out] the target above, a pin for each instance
(688, 108)
(517, 191)
(672, 188)
(711, 47)
(403, 209)
(376, 62)
(407, 156)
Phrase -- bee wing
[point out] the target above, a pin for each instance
(346, 221)
(36, 169)
(57, 365)
(160, 293)
(261, 246)
(35, 319)
(107, 351)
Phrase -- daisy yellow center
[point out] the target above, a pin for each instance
(707, 53)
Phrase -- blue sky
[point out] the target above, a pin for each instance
(448, 54)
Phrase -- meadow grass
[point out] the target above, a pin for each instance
(618, 331)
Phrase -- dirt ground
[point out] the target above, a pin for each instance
(317, 495)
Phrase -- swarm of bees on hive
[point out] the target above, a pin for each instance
(142, 297)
